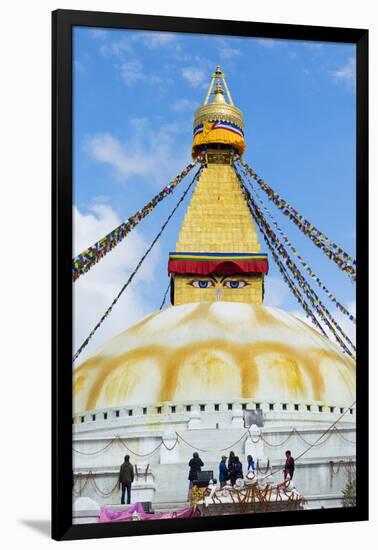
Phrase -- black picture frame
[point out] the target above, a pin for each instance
(62, 23)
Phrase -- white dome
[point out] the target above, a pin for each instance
(219, 350)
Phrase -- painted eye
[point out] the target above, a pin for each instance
(235, 284)
(202, 284)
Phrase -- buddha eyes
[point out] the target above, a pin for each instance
(208, 284)
(234, 284)
(202, 284)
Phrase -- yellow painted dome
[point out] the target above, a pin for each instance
(219, 350)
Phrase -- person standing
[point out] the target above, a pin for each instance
(250, 464)
(195, 465)
(126, 477)
(223, 471)
(289, 465)
(231, 467)
(238, 468)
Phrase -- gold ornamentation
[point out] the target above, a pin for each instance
(219, 110)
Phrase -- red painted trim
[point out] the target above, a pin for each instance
(226, 268)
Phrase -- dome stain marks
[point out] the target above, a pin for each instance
(216, 354)
(264, 317)
(209, 370)
(110, 365)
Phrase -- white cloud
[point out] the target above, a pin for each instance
(313, 45)
(292, 55)
(132, 71)
(346, 73)
(184, 105)
(276, 291)
(195, 76)
(157, 39)
(101, 199)
(156, 152)
(229, 53)
(124, 45)
(117, 48)
(99, 34)
(267, 42)
(348, 327)
(94, 291)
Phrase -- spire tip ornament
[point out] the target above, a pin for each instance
(218, 124)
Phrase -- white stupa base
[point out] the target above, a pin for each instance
(318, 475)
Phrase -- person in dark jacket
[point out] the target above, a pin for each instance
(223, 471)
(126, 477)
(289, 465)
(195, 465)
(231, 467)
(238, 469)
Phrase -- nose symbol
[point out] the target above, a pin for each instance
(218, 294)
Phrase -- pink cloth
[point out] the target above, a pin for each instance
(109, 514)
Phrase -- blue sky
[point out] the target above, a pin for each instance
(134, 97)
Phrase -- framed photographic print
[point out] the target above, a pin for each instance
(210, 207)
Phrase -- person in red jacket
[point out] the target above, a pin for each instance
(289, 465)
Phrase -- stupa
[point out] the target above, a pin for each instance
(217, 369)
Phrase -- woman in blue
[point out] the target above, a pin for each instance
(251, 464)
(223, 471)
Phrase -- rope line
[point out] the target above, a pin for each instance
(341, 258)
(348, 465)
(328, 430)
(294, 269)
(84, 261)
(319, 438)
(293, 288)
(311, 295)
(165, 296)
(132, 275)
(90, 477)
(259, 469)
(141, 455)
(340, 434)
(246, 434)
(317, 304)
(338, 304)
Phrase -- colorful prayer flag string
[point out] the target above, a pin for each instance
(294, 289)
(88, 258)
(320, 308)
(340, 306)
(132, 275)
(341, 258)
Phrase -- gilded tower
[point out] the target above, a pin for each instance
(218, 255)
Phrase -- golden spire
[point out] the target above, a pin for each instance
(218, 218)
(217, 255)
(218, 94)
(218, 122)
